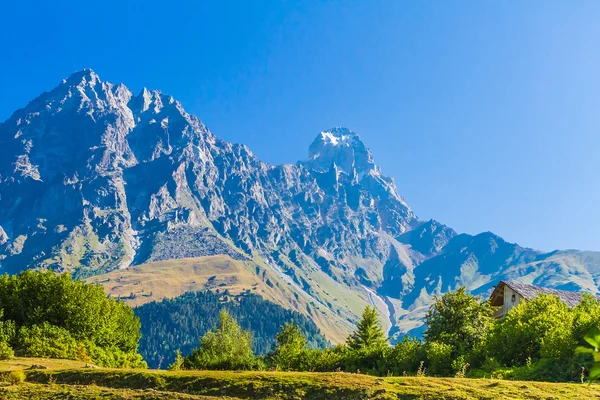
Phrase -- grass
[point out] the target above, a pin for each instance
(81, 392)
(23, 363)
(172, 278)
(70, 380)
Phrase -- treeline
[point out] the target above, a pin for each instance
(178, 323)
(535, 341)
(43, 314)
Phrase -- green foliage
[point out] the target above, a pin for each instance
(534, 328)
(459, 320)
(178, 363)
(406, 356)
(593, 339)
(47, 340)
(6, 352)
(226, 347)
(16, 377)
(50, 315)
(368, 334)
(291, 346)
(178, 323)
(439, 356)
(110, 357)
(7, 335)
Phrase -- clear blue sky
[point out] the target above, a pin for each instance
(487, 113)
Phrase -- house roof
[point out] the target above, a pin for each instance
(529, 292)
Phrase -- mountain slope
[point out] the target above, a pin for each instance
(94, 178)
(180, 323)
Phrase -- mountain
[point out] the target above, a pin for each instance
(127, 189)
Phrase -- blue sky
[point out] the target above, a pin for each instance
(487, 113)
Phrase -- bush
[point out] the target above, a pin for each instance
(178, 363)
(542, 326)
(6, 352)
(111, 357)
(50, 315)
(289, 355)
(439, 357)
(462, 321)
(406, 356)
(16, 377)
(47, 340)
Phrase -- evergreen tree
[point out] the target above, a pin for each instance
(369, 334)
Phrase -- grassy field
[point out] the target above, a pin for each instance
(61, 379)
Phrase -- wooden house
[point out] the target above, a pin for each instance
(507, 295)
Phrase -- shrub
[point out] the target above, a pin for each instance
(439, 357)
(16, 377)
(290, 351)
(541, 325)
(178, 363)
(50, 315)
(47, 340)
(112, 357)
(406, 356)
(460, 320)
(6, 352)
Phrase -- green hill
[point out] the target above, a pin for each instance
(179, 323)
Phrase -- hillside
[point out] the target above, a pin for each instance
(168, 279)
(180, 323)
(96, 180)
(122, 384)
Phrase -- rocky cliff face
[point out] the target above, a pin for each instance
(94, 178)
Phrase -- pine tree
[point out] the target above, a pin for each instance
(368, 334)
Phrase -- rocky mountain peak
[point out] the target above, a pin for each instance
(342, 147)
(85, 76)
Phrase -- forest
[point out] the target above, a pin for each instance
(173, 324)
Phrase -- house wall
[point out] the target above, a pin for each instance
(508, 303)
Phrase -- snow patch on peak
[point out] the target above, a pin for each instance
(85, 76)
(342, 147)
(337, 136)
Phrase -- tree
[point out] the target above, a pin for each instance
(226, 347)
(459, 320)
(51, 314)
(406, 356)
(368, 345)
(291, 346)
(542, 325)
(369, 334)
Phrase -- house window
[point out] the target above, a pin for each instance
(514, 298)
